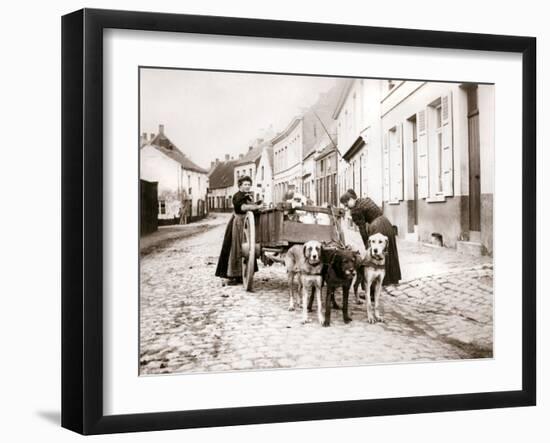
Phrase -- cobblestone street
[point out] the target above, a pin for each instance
(190, 322)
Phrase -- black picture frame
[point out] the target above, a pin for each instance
(82, 217)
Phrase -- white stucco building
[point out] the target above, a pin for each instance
(438, 161)
(182, 184)
(287, 159)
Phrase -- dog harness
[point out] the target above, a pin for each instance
(370, 264)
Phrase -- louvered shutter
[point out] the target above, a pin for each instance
(422, 154)
(386, 163)
(447, 145)
(396, 158)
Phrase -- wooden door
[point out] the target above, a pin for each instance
(474, 162)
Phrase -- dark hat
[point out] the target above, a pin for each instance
(244, 178)
(350, 193)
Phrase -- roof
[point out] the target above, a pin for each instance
(354, 148)
(328, 150)
(295, 120)
(344, 92)
(164, 145)
(319, 121)
(222, 175)
(252, 156)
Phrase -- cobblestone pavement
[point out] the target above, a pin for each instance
(190, 322)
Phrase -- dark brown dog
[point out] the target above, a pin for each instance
(339, 267)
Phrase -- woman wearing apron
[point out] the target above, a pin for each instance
(369, 219)
(229, 263)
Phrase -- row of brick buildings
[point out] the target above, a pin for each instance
(422, 150)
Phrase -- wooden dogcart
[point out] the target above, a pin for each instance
(275, 230)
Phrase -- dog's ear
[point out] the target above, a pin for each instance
(386, 241)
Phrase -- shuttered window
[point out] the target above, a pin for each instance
(447, 146)
(435, 149)
(422, 154)
(386, 163)
(393, 164)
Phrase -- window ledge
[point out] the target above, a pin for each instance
(393, 202)
(436, 199)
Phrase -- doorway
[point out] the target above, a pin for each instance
(413, 213)
(474, 162)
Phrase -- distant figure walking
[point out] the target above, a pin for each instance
(369, 219)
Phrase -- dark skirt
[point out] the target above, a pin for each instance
(383, 226)
(229, 262)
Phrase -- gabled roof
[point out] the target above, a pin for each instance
(164, 145)
(222, 176)
(252, 156)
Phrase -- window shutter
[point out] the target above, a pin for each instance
(422, 154)
(447, 142)
(397, 162)
(386, 163)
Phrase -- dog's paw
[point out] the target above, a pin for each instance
(291, 308)
(358, 301)
(371, 319)
(326, 323)
(347, 319)
(305, 321)
(335, 305)
(309, 309)
(379, 318)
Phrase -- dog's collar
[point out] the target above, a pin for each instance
(370, 264)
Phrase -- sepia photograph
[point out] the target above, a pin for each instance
(296, 221)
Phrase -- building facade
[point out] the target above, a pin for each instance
(358, 124)
(182, 185)
(308, 177)
(326, 176)
(287, 160)
(222, 185)
(438, 151)
(263, 181)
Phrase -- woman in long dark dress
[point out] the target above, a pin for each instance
(369, 219)
(229, 263)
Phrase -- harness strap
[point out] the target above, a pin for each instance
(369, 264)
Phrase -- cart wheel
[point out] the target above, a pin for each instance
(249, 250)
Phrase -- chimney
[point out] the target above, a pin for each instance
(241, 156)
(161, 129)
(212, 164)
(250, 148)
(217, 160)
(226, 157)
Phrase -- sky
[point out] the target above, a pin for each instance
(210, 114)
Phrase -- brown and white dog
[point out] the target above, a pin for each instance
(304, 261)
(375, 270)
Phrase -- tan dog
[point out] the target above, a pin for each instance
(375, 270)
(304, 261)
